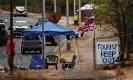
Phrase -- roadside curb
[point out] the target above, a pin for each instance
(4, 12)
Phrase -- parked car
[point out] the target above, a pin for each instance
(31, 43)
(3, 34)
(40, 21)
(18, 26)
(20, 11)
(49, 38)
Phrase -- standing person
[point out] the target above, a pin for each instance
(76, 19)
(10, 57)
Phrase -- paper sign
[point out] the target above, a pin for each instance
(106, 52)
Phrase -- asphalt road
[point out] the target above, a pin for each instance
(24, 60)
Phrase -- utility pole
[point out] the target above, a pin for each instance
(74, 7)
(67, 13)
(68, 46)
(55, 6)
(79, 12)
(26, 4)
(11, 37)
(43, 35)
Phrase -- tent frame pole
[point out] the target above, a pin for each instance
(59, 47)
(78, 48)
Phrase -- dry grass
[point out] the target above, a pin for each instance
(119, 71)
(125, 73)
(24, 75)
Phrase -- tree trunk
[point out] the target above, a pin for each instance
(127, 49)
(122, 44)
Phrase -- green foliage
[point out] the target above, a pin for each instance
(114, 12)
(102, 14)
(4, 2)
(49, 2)
(119, 13)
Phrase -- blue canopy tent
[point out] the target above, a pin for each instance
(49, 29)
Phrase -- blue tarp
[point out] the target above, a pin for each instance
(49, 29)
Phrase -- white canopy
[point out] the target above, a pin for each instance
(87, 7)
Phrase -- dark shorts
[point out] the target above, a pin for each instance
(75, 22)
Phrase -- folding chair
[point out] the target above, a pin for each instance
(51, 60)
(70, 65)
(36, 62)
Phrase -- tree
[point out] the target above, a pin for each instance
(61, 4)
(119, 14)
(3, 3)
